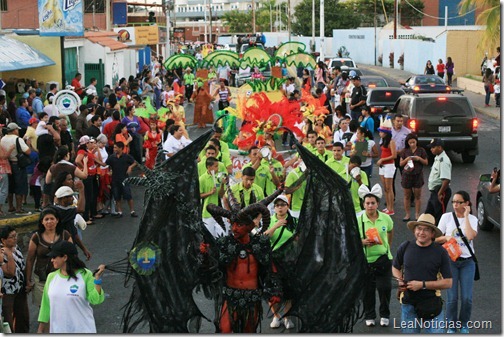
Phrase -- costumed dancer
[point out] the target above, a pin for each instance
(152, 140)
(246, 261)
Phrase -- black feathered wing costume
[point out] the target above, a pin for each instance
(325, 261)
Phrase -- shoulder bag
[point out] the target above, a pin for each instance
(23, 160)
(382, 265)
(476, 273)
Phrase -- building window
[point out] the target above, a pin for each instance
(99, 6)
(3, 5)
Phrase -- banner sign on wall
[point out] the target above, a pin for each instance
(61, 17)
(147, 34)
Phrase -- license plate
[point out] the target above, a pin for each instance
(445, 129)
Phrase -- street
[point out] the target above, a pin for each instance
(110, 239)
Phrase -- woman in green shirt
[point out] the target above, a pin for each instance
(281, 229)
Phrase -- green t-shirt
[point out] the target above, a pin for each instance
(354, 189)
(202, 167)
(223, 157)
(383, 224)
(224, 148)
(206, 183)
(311, 148)
(237, 188)
(189, 79)
(277, 166)
(281, 234)
(264, 178)
(339, 166)
(298, 195)
(324, 156)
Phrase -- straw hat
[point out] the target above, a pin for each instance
(385, 125)
(425, 220)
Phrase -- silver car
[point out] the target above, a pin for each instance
(488, 205)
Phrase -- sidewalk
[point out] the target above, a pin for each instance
(477, 100)
(14, 220)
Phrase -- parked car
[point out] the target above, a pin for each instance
(381, 101)
(370, 82)
(488, 205)
(420, 84)
(342, 62)
(447, 116)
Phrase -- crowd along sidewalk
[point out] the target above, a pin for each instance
(477, 100)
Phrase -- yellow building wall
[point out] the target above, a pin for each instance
(462, 47)
(48, 45)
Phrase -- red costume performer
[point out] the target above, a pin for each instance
(153, 138)
(246, 262)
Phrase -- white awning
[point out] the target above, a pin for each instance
(16, 55)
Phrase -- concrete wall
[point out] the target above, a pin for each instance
(471, 85)
(50, 46)
(360, 43)
(462, 46)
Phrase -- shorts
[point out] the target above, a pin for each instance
(18, 180)
(412, 180)
(387, 170)
(121, 192)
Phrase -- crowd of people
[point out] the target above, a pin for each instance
(78, 164)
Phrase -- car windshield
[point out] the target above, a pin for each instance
(428, 80)
(347, 63)
(376, 96)
(373, 82)
(445, 107)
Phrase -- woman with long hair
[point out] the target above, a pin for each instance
(38, 265)
(488, 80)
(321, 75)
(151, 143)
(69, 292)
(450, 67)
(14, 299)
(429, 68)
(364, 135)
(121, 134)
(460, 225)
(413, 159)
(60, 164)
(132, 122)
(386, 163)
(307, 80)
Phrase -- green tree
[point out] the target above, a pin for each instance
(337, 16)
(490, 16)
(239, 22)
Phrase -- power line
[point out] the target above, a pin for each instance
(437, 17)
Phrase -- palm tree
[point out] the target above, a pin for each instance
(490, 16)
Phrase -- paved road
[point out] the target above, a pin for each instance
(110, 239)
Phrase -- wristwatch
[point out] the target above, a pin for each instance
(424, 287)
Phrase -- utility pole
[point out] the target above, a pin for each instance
(396, 16)
(289, 18)
(322, 30)
(253, 17)
(271, 19)
(313, 24)
(107, 15)
(375, 23)
(168, 45)
(204, 11)
(210, 10)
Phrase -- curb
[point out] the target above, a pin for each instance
(21, 221)
(486, 112)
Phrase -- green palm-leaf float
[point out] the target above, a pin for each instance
(288, 48)
(180, 61)
(221, 57)
(301, 60)
(255, 57)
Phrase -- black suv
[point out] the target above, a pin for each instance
(446, 116)
(381, 101)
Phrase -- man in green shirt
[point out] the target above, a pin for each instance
(355, 178)
(312, 138)
(268, 173)
(298, 195)
(210, 192)
(224, 147)
(221, 156)
(210, 151)
(245, 192)
(338, 162)
(189, 83)
(321, 152)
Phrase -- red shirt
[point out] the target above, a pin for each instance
(78, 88)
(91, 161)
(322, 99)
(108, 130)
(440, 68)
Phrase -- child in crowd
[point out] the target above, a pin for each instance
(42, 125)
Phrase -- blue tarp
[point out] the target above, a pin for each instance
(16, 55)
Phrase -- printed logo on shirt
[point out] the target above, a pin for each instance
(384, 229)
(74, 288)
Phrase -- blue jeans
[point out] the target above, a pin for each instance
(487, 95)
(368, 170)
(409, 321)
(463, 275)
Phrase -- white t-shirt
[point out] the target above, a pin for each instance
(369, 160)
(222, 72)
(41, 129)
(448, 227)
(9, 140)
(173, 145)
(104, 155)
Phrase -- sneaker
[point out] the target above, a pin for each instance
(384, 321)
(370, 322)
(117, 215)
(384, 210)
(275, 323)
(464, 330)
(22, 212)
(451, 331)
(288, 323)
(389, 212)
(133, 214)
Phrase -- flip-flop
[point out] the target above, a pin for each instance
(406, 219)
(99, 216)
